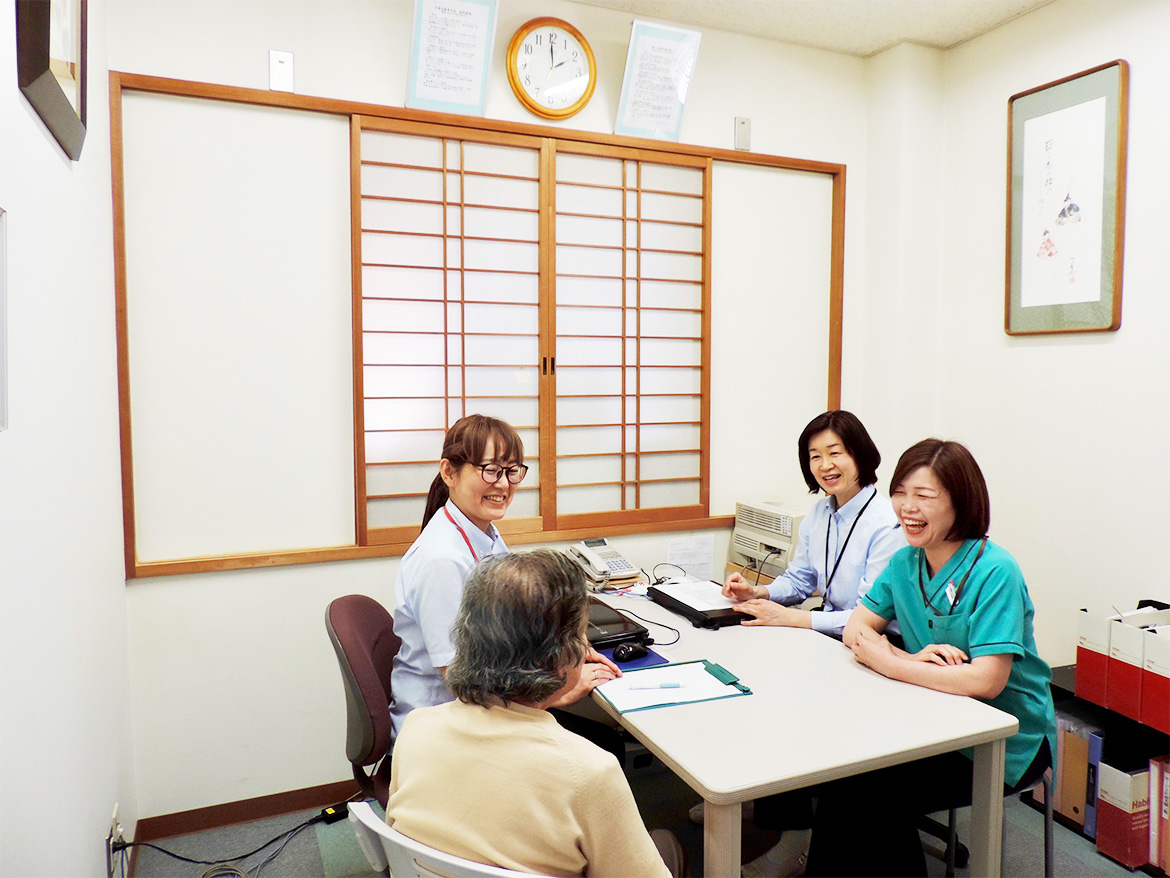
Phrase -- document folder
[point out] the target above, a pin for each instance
(678, 683)
(701, 603)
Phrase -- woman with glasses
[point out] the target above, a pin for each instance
(482, 463)
(966, 619)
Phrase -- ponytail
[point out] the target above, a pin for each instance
(436, 498)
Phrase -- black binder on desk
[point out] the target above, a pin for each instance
(688, 600)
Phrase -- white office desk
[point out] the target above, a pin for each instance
(814, 715)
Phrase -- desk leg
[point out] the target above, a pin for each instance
(721, 840)
(987, 810)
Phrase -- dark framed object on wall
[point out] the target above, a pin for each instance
(1066, 203)
(50, 62)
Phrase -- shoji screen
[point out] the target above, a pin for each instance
(631, 340)
(450, 259)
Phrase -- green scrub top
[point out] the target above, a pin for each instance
(993, 616)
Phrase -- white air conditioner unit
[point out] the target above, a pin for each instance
(765, 536)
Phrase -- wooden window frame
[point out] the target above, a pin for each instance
(583, 142)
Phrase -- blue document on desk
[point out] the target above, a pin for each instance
(664, 685)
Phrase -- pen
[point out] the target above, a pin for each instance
(656, 685)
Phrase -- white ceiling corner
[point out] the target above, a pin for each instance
(855, 27)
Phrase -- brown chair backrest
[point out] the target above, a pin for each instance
(363, 637)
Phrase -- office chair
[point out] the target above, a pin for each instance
(408, 858)
(956, 853)
(363, 636)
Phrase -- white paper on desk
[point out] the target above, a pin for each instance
(696, 683)
(704, 595)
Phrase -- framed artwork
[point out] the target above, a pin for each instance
(50, 62)
(1066, 203)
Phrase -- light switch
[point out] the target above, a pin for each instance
(280, 70)
(743, 132)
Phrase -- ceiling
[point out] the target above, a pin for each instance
(856, 27)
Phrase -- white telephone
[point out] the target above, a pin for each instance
(601, 563)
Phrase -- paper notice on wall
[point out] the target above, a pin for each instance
(694, 554)
(450, 54)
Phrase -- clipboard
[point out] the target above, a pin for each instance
(700, 603)
(682, 683)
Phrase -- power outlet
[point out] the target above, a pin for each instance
(115, 834)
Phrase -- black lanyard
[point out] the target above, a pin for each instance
(841, 554)
(962, 582)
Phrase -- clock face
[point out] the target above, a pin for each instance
(551, 68)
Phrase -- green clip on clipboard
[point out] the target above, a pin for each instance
(678, 683)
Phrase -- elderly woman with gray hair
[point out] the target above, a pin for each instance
(491, 776)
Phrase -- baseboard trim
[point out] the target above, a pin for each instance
(231, 813)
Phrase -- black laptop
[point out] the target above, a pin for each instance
(609, 627)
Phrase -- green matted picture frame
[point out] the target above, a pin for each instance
(1066, 203)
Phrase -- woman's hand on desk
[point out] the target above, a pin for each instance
(874, 650)
(596, 670)
(768, 612)
(739, 589)
(594, 657)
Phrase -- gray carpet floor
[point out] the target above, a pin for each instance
(332, 851)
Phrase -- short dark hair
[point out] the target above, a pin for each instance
(855, 438)
(521, 625)
(955, 468)
(465, 442)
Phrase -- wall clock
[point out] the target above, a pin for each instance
(551, 68)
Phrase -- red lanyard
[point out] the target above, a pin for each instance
(474, 557)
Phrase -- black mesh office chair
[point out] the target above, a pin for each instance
(363, 637)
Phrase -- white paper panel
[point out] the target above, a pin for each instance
(240, 332)
(412, 283)
(402, 149)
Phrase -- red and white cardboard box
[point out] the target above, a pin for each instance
(1156, 678)
(1123, 814)
(1127, 640)
(1092, 657)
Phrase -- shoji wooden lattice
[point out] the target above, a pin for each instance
(561, 291)
(631, 337)
(450, 277)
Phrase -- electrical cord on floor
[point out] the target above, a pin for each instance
(223, 867)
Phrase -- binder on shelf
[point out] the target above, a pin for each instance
(663, 685)
(1096, 745)
(1074, 775)
(1159, 811)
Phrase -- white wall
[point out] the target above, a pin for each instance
(923, 135)
(65, 754)
(250, 645)
(1071, 432)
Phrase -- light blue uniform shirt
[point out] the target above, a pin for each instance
(426, 596)
(876, 537)
(993, 616)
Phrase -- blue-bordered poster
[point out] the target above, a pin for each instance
(450, 55)
(659, 65)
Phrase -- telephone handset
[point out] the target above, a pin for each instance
(601, 563)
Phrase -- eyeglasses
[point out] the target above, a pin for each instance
(491, 472)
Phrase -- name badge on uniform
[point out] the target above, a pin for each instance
(951, 592)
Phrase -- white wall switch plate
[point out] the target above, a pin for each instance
(743, 132)
(280, 70)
